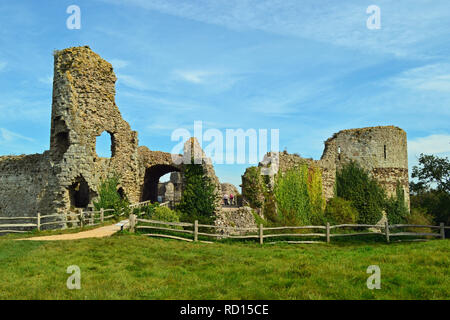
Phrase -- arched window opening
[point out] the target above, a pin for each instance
(385, 156)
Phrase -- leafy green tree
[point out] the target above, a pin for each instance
(199, 197)
(353, 183)
(109, 197)
(431, 192)
(432, 170)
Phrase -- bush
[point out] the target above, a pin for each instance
(396, 210)
(419, 216)
(353, 183)
(340, 211)
(109, 198)
(165, 214)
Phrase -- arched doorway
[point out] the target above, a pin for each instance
(80, 194)
(151, 180)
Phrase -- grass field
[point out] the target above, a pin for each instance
(135, 267)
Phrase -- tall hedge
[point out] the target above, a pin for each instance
(355, 184)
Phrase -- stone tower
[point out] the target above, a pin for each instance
(382, 151)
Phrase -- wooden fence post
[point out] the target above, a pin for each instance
(386, 227)
(132, 220)
(102, 215)
(442, 231)
(328, 232)
(196, 230)
(261, 235)
(39, 221)
(80, 211)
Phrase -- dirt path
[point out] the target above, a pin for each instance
(101, 232)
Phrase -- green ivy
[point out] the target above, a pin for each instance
(396, 210)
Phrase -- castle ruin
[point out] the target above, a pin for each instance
(67, 176)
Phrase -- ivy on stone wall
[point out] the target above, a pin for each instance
(298, 196)
(396, 210)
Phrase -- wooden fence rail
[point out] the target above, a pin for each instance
(77, 220)
(259, 232)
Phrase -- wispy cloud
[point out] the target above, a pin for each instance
(2, 65)
(131, 82)
(118, 63)
(193, 76)
(433, 144)
(433, 77)
(7, 136)
(404, 23)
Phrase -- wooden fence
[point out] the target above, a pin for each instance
(260, 233)
(77, 220)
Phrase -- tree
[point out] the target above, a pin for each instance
(109, 197)
(199, 197)
(432, 190)
(432, 170)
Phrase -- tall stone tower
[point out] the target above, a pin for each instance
(380, 150)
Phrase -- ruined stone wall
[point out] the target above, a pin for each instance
(83, 108)
(23, 181)
(382, 151)
(68, 175)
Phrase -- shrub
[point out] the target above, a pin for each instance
(165, 214)
(353, 183)
(109, 198)
(419, 216)
(340, 211)
(199, 197)
(396, 210)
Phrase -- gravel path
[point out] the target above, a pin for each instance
(101, 232)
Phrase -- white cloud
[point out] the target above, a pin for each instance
(7, 136)
(434, 77)
(118, 63)
(436, 144)
(433, 144)
(193, 76)
(404, 24)
(131, 82)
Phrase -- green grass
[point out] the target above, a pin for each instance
(135, 267)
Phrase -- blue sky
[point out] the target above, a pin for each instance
(308, 68)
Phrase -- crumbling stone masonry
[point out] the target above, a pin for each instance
(67, 176)
(382, 151)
